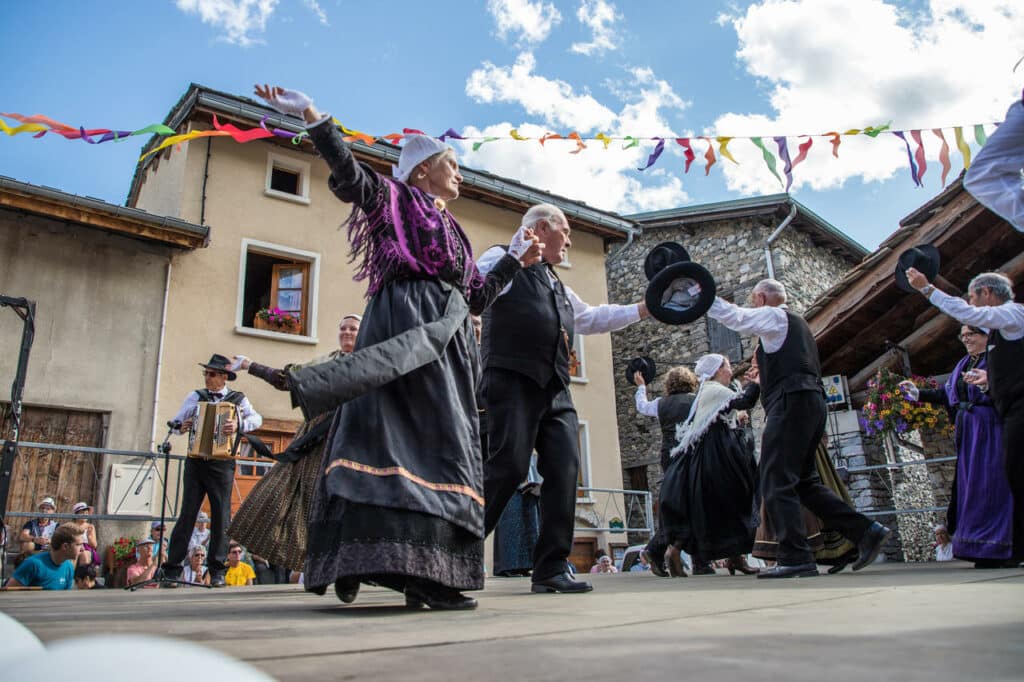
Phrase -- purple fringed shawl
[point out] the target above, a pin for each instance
(974, 394)
(407, 236)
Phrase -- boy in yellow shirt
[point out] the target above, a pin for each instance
(239, 573)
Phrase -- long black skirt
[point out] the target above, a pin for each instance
(708, 497)
(400, 495)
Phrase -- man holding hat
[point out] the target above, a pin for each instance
(526, 344)
(35, 534)
(795, 413)
(990, 305)
(211, 478)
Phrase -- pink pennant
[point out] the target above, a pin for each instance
(684, 142)
(922, 164)
(943, 155)
(710, 156)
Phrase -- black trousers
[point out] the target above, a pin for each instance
(213, 479)
(1013, 460)
(523, 417)
(794, 425)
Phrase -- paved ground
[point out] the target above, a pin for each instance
(896, 621)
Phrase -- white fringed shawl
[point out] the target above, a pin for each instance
(712, 398)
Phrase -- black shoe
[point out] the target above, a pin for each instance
(657, 566)
(808, 570)
(217, 580)
(166, 574)
(703, 568)
(438, 598)
(346, 589)
(561, 583)
(871, 544)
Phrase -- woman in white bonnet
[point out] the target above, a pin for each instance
(708, 495)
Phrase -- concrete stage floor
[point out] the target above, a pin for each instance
(889, 621)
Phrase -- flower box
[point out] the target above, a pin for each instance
(275, 320)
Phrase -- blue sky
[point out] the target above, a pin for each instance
(643, 68)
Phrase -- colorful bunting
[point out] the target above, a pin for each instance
(38, 126)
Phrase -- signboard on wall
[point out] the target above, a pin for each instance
(835, 389)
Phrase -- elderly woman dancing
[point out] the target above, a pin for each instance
(980, 514)
(708, 505)
(400, 499)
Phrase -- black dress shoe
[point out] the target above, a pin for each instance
(561, 583)
(703, 568)
(217, 580)
(438, 598)
(871, 544)
(808, 570)
(657, 565)
(346, 589)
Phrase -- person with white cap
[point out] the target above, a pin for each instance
(707, 499)
(145, 565)
(795, 413)
(35, 534)
(272, 520)
(90, 554)
(388, 509)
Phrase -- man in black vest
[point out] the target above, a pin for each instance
(795, 413)
(990, 305)
(527, 340)
(208, 477)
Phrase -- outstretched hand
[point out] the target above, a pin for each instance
(289, 102)
(526, 246)
(916, 278)
(638, 379)
(753, 375)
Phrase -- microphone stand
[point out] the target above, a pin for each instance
(159, 577)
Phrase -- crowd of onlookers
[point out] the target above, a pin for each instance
(63, 556)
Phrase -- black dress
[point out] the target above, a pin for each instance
(400, 495)
(708, 496)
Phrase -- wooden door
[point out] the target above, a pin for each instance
(582, 556)
(249, 469)
(68, 476)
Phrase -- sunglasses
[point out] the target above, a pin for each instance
(212, 373)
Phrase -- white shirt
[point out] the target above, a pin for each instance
(199, 537)
(995, 178)
(944, 552)
(587, 319)
(251, 419)
(1008, 318)
(768, 322)
(645, 406)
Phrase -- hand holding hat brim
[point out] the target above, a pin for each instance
(681, 293)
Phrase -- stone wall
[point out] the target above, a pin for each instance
(733, 250)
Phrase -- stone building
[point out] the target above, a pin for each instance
(740, 242)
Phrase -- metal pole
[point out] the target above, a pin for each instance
(26, 310)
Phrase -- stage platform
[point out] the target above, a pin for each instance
(890, 621)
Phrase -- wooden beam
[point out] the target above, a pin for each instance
(91, 217)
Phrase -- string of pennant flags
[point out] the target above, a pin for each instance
(41, 125)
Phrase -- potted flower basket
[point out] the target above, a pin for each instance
(277, 320)
(119, 557)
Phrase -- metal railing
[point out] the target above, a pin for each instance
(633, 508)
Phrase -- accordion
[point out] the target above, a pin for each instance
(207, 438)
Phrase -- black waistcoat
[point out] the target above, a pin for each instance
(672, 411)
(233, 397)
(529, 329)
(794, 367)
(1005, 361)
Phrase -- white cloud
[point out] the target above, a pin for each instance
(604, 178)
(837, 65)
(600, 16)
(239, 19)
(316, 9)
(554, 100)
(528, 21)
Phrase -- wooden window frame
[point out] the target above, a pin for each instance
(275, 279)
(311, 296)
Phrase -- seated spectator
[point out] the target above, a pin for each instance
(55, 568)
(239, 573)
(604, 565)
(145, 565)
(85, 576)
(642, 565)
(196, 572)
(598, 555)
(35, 534)
(201, 532)
(156, 532)
(943, 544)
(89, 554)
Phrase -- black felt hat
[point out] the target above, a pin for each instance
(681, 293)
(662, 256)
(923, 258)
(220, 364)
(645, 366)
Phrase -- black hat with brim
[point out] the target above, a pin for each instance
(923, 258)
(220, 364)
(645, 366)
(680, 294)
(662, 256)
